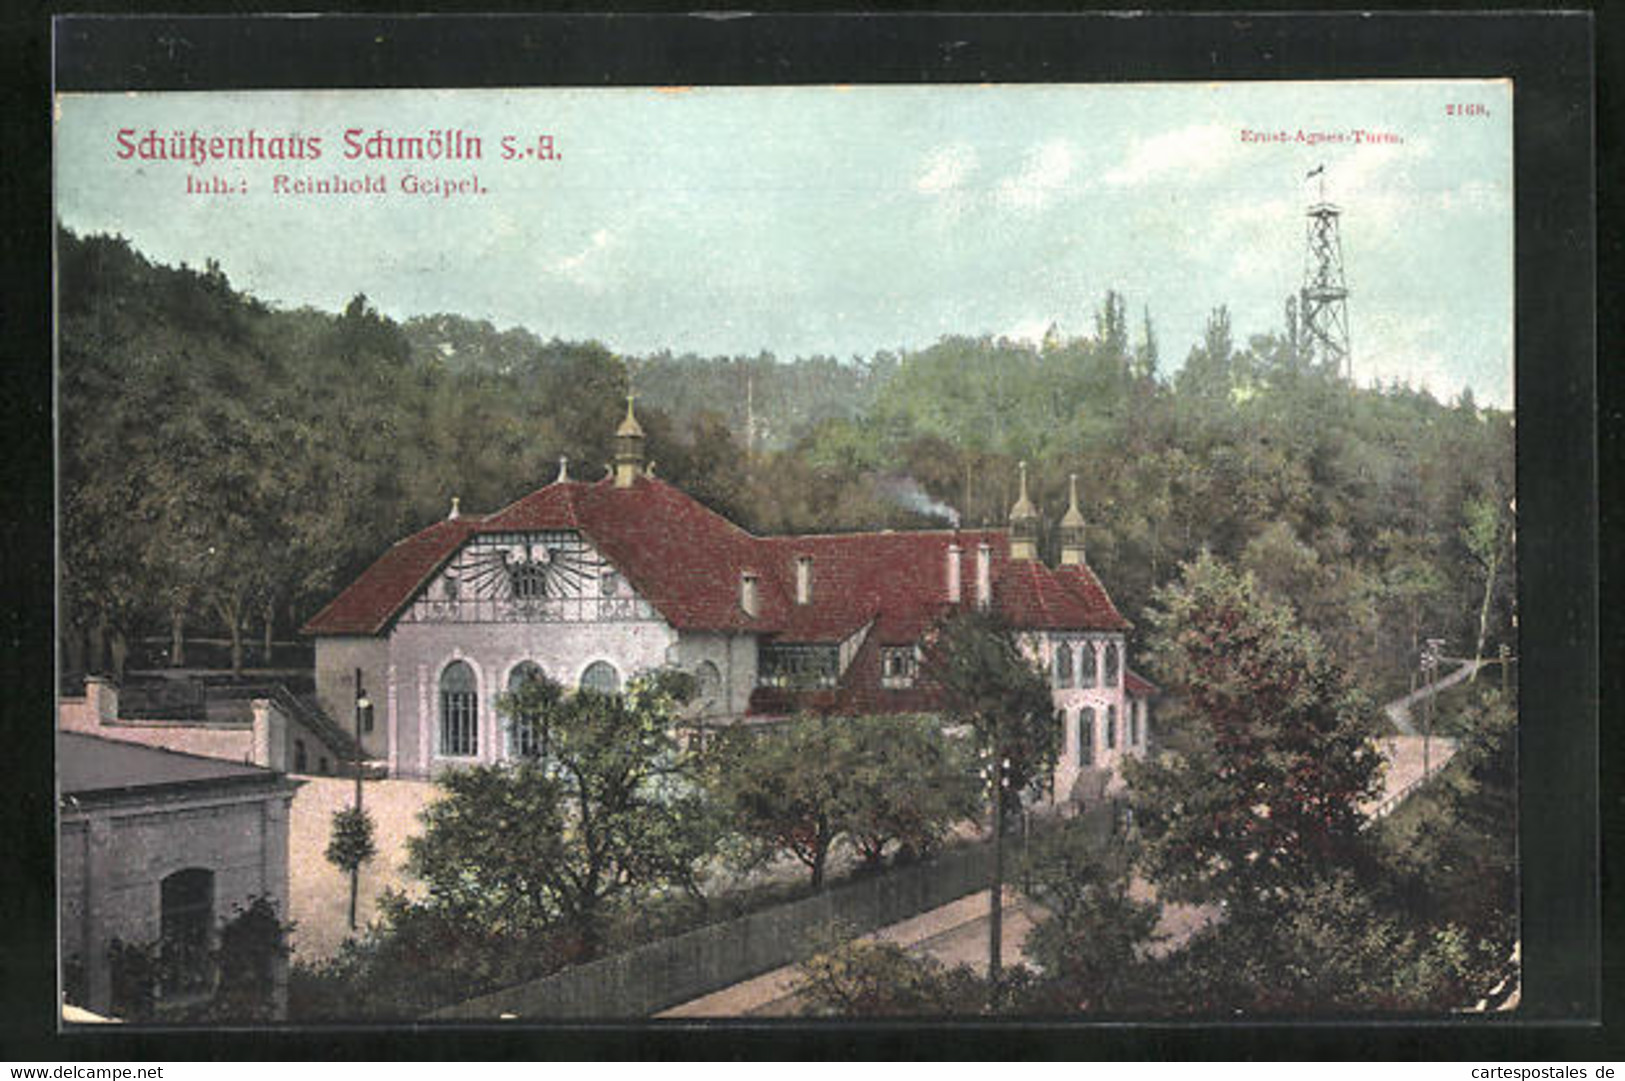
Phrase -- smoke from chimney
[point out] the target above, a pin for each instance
(906, 492)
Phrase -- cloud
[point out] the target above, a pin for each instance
(946, 169)
(572, 266)
(1045, 172)
(1191, 150)
(1030, 330)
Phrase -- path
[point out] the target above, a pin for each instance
(319, 893)
(1399, 710)
(957, 933)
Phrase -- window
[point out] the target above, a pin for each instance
(1086, 670)
(301, 761)
(707, 684)
(1086, 736)
(1111, 664)
(897, 667)
(1133, 724)
(1111, 728)
(529, 581)
(610, 584)
(451, 587)
(797, 667)
(527, 734)
(321, 766)
(1063, 664)
(459, 711)
(602, 678)
(186, 920)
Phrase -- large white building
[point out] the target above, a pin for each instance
(594, 582)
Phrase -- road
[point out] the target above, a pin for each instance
(1399, 710)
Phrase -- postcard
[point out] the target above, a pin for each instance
(824, 551)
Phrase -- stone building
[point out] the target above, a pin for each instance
(594, 582)
(156, 848)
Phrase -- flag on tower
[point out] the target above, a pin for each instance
(1316, 171)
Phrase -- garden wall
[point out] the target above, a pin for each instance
(643, 981)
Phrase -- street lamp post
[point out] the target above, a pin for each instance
(363, 707)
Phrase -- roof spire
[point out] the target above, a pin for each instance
(1023, 523)
(564, 469)
(628, 447)
(456, 509)
(1072, 526)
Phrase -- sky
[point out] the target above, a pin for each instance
(846, 220)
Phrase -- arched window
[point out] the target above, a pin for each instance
(1086, 671)
(459, 711)
(1111, 728)
(1111, 664)
(707, 685)
(301, 760)
(527, 731)
(601, 677)
(1063, 664)
(321, 766)
(1086, 736)
(185, 921)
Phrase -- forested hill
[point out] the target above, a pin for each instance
(225, 464)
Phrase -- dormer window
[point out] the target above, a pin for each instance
(747, 593)
(804, 579)
(898, 666)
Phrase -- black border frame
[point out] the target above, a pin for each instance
(1549, 55)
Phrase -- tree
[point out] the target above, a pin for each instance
(1447, 850)
(1090, 944)
(1334, 946)
(1281, 751)
(609, 817)
(989, 682)
(866, 978)
(350, 846)
(785, 788)
(1484, 534)
(907, 784)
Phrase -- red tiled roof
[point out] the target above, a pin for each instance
(1099, 611)
(899, 580)
(687, 560)
(1138, 686)
(372, 600)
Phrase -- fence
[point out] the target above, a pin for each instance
(643, 981)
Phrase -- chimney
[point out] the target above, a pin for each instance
(955, 554)
(804, 579)
(747, 593)
(984, 575)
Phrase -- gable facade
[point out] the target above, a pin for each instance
(594, 583)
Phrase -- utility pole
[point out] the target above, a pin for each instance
(1430, 667)
(998, 781)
